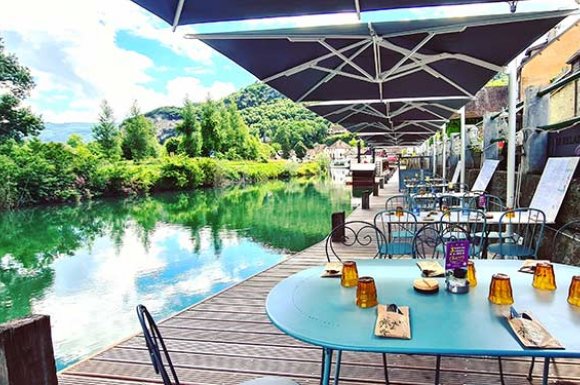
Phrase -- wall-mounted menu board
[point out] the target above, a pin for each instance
(455, 178)
(553, 186)
(485, 174)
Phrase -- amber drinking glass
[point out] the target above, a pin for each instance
(471, 274)
(349, 277)
(510, 213)
(366, 292)
(574, 292)
(399, 211)
(500, 290)
(544, 278)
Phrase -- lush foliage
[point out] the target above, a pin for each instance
(106, 133)
(16, 122)
(139, 140)
(288, 124)
(34, 172)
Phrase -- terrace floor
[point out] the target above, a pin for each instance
(228, 339)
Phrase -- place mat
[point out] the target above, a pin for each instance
(529, 265)
(332, 269)
(531, 333)
(393, 322)
(431, 269)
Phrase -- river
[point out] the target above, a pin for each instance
(89, 265)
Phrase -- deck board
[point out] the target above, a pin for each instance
(228, 339)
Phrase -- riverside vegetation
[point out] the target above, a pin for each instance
(213, 143)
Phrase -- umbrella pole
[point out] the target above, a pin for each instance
(511, 137)
(444, 153)
(463, 146)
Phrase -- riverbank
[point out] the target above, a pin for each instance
(44, 173)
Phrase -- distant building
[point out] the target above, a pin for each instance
(337, 129)
(312, 153)
(338, 150)
(547, 61)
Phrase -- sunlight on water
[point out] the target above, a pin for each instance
(88, 266)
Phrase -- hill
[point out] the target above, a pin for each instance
(268, 114)
(60, 132)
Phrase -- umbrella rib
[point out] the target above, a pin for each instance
(308, 64)
(345, 59)
(408, 55)
(332, 75)
(177, 16)
(438, 75)
(420, 107)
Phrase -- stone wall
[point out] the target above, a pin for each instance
(569, 211)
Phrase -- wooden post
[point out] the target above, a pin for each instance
(26, 355)
(366, 200)
(338, 220)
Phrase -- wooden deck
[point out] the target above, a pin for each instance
(228, 339)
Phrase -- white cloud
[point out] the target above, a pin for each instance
(72, 49)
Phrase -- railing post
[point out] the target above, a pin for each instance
(366, 200)
(26, 355)
(337, 220)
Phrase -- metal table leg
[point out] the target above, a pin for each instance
(337, 368)
(326, 365)
(546, 371)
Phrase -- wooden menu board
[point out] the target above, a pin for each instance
(553, 186)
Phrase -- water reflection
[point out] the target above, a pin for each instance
(88, 266)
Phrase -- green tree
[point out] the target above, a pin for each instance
(211, 124)
(106, 132)
(139, 141)
(16, 122)
(189, 128)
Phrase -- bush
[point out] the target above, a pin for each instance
(180, 172)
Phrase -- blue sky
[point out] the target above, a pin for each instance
(81, 52)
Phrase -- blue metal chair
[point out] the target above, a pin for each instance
(520, 233)
(450, 201)
(400, 227)
(465, 224)
(356, 234)
(492, 202)
(156, 345)
(428, 243)
(426, 201)
(401, 200)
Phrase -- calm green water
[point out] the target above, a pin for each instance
(87, 266)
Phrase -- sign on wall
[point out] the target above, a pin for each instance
(485, 174)
(553, 186)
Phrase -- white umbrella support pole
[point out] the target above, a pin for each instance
(463, 146)
(511, 137)
(444, 153)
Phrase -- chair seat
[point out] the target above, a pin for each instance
(270, 381)
(488, 235)
(402, 234)
(511, 250)
(396, 248)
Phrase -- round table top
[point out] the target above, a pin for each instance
(321, 312)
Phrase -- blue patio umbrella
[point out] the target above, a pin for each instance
(183, 12)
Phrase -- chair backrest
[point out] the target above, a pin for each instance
(450, 200)
(463, 223)
(395, 201)
(399, 227)
(428, 243)
(492, 202)
(424, 201)
(353, 234)
(566, 242)
(155, 345)
(523, 227)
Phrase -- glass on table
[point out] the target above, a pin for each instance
(349, 277)
(574, 291)
(366, 292)
(509, 213)
(471, 274)
(500, 290)
(544, 278)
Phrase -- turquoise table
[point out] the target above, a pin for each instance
(320, 312)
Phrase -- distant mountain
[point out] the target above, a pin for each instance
(60, 132)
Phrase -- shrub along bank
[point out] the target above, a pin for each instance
(37, 173)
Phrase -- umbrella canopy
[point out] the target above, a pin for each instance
(387, 113)
(389, 61)
(182, 12)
